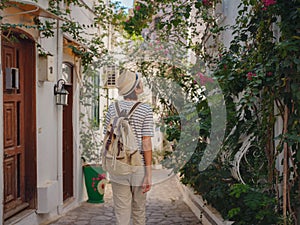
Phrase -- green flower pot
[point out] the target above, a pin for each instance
(95, 181)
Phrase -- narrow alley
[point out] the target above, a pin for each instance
(165, 206)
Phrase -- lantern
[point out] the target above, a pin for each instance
(61, 93)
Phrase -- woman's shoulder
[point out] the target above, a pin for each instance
(128, 104)
(146, 105)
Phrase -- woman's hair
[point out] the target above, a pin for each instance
(132, 95)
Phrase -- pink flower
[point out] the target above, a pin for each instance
(250, 75)
(204, 80)
(205, 2)
(101, 176)
(138, 7)
(267, 3)
(269, 74)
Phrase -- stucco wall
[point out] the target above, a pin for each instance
(230, 12)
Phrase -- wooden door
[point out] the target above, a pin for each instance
(18, 63)
(68, 135)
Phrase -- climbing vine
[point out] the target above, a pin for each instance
(259, 76)
(89, 48)
(92, 42)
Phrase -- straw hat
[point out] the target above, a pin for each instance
(127, 82)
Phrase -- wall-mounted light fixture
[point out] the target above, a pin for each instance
(61, 93)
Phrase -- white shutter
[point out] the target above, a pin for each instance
(110, 76)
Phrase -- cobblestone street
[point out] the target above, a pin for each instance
(164, 206)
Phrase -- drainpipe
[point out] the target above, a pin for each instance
(59, 47)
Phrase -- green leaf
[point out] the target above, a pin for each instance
(298, 155)
(234, 48)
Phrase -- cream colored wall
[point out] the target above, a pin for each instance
(12, 16)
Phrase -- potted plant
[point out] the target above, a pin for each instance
(95, 182)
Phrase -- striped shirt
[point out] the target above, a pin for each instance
(141, 120)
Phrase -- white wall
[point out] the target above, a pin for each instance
(230, 12)
(47, 117)
(49, 127)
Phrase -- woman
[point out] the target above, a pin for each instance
(129, 191)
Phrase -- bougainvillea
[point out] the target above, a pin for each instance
(259, 76)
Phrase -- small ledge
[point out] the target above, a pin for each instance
(26, 215)
(206, 214)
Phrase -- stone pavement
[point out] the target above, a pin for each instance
(164, 206)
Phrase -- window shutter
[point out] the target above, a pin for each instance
(110, 74)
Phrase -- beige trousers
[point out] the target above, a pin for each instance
(129, 199)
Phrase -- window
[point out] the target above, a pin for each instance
(111, 80)
(67, 70)
(110, 74)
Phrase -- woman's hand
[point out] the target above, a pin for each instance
(147, 183)
(147, 148)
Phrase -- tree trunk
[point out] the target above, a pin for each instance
(285, 165)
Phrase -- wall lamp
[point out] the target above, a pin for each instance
(61, 93)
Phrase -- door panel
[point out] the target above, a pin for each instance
(13, 129)
(17, 103)
(68, 137)
(9, 174)
(9, 125)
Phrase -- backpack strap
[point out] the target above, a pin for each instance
(119, 113)
(117, 108)
(134, 107)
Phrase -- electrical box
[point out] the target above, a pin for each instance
(11, 78)
(46, 68)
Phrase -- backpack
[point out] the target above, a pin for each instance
(120, 152)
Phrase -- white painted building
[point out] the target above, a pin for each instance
(40, 161)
